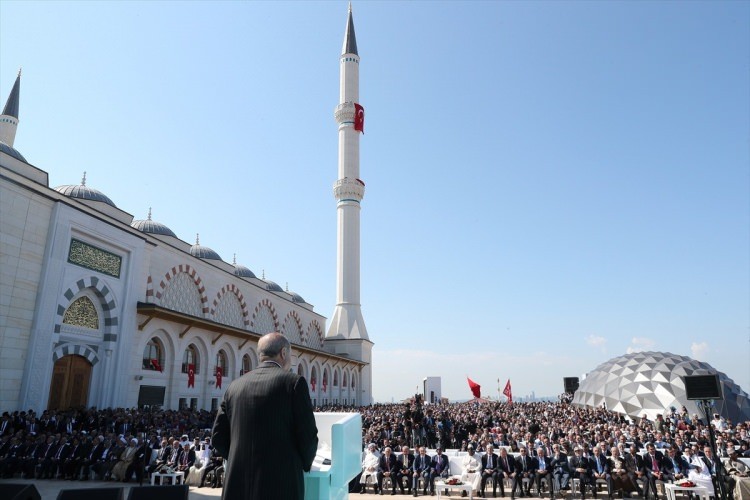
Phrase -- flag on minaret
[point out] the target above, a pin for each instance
(359, 118)
(508, 392)
(475, 388)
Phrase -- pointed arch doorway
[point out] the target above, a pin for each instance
(69, 388)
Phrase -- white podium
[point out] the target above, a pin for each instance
(340, 443)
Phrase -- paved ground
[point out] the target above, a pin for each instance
(49, 488)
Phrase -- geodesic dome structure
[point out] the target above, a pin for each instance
(650, 382)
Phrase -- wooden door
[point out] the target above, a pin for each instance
(70, 382)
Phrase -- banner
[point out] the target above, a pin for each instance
(476, 389)
(191, 375)
(359, 118)
(218, 377)
(508, 392)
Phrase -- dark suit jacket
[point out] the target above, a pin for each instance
(421, 464)
(529, 464)
(648, 462)
(266, 429)
(560, 463)
(495, 462)
(580, 462)
(408, 465)
(511, 464)
(444, 464)
(392, 464)
(603, 461)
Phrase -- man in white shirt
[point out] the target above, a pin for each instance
(370, 468)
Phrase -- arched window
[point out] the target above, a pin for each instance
(221, 363)
(335, 378)
(153, 355)
(353, 382)
(190, 357)
(313, 379)
(247, 364)
(345, 382)
(300, 370)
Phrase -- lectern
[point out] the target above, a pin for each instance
(339, 456)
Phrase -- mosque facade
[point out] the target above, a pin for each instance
(98, 308)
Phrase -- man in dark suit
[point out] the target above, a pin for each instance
(439, 467)
(543, 472)
(560, 470)
(387, 467)
(525, 469)
(581, 470)
(92, 456)
(654, 467)
(421, 468)
(490, 470)
(266, 429)
(405, 463)
(507, 471)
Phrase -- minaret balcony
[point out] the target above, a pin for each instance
(349, 189)
(344, 113)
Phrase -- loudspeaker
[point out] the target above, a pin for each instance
(703, 387)
(571, 384)
(19, 492)
(115, 493)
(174, 492)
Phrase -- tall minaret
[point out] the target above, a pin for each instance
(347, 333)
(9, 118)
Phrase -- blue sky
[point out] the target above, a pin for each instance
(549, 184)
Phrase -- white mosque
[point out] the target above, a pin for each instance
(99, 309)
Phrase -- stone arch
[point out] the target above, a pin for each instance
(250, 352)
(264, 317)
(304, 369)
(205, 361)
(78, 349)
(231, 288)
(193, 274)
(325, 380)
(344, 380)
(167, 343)
(292, 328)
(314, 379)
(335, 381)
(106, 302)
(315, 334)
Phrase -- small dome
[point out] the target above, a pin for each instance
(152, 227)
(273, 287)
(297, 298)
(202, 252)
(83, 192)
(9, 150)
(243, 272)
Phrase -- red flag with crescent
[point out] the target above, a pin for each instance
(508, 392)
(155, 364)
(476, 389)
(359, 118)
(325, 384)
(218, 377)
(191, 375)
(312, 384)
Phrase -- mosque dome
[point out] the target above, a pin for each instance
(11, 151)
(243, 272)
(203, 252)
(83, 192)
(152, 227)
(272, 287)
(297, 298)
(651, 382)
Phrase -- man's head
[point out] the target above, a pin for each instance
(405, 450)
(422, 450)
(470, 449)
(388, 451)
(522, 450)
(275, 347)
(490, 449)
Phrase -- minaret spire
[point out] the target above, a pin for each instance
(9, 118)
(346, 331)
(350, 41)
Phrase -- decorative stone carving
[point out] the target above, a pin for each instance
(82, 312)
(347, 189)
(229, 311)
(88, 256)
(263, 320)
(291, 328)
(182, 295)
(344, 113)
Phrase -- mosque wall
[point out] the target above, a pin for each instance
(24, 222)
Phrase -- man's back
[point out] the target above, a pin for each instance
(266, 429)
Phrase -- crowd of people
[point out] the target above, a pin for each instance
(117, 444)
(562, 442)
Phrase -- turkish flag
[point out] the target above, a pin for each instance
(218, 377)
(191, 375)
(508, 392)
(325, 384)
(312, 384)
(359, 118)
(475, 388)
(156, 365)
